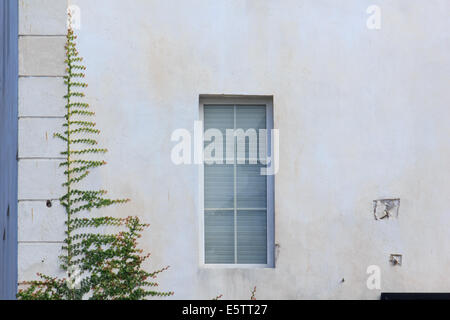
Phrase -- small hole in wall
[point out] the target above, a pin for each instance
(7, 212)
(49, 204)
(4, 234)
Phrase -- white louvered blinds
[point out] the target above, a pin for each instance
(235, 191)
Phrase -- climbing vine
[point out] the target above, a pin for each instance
(100, 254)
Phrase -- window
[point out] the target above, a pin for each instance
(237, 196)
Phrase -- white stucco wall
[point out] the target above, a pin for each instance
(362, 115)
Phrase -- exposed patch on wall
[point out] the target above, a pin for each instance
(277, 252)
(396, 259)
(386, 208)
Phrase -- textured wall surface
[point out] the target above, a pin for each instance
(8, 148)
(362, 114)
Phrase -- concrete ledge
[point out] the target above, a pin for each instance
(36, 138)
(42, 17)
(41, 56)
(41, 97)
(38, 222)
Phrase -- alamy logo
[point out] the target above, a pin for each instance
(374, 280)
(74, 278)
(214, 146)
(74, 17)
(374, 20)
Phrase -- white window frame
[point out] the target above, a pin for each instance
(240, 100)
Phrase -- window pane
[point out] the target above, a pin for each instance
(251, 186)
(251, 237)
(219, 180)
(219, 237)
(219, 186)
(220, 117)
(217, 119)
(251, 119)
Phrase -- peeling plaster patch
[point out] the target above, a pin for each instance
(277, 251)
(386, 208)
(396, 259)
